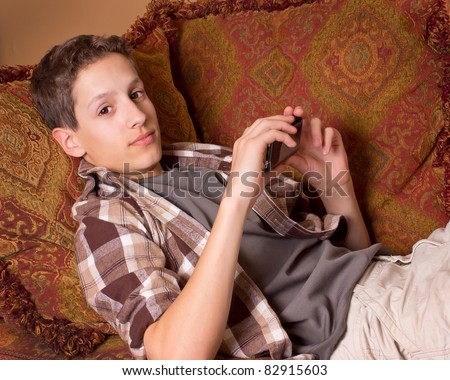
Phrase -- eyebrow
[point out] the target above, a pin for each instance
(104, 95)
(98, 97)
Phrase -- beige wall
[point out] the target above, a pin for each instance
(28, 28)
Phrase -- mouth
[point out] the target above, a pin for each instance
(144, 139)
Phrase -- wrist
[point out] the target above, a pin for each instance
(243, 189)
(340, 199)
(237, 203)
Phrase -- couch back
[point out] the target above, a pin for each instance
(377, 70)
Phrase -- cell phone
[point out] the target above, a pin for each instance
(277, 152)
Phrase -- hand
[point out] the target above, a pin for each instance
(323, 161)
(321, 156)
(246, 177)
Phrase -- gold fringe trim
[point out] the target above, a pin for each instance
(61, 335)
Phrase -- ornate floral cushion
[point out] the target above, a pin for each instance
(39, 285)
(38, 185)
(363, 67)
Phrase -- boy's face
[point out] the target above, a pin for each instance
(117, 123)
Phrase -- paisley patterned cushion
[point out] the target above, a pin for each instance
(363, 67)
(38, 185)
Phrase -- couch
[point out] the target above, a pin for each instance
(377, 70)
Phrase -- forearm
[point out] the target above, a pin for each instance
(193, 326)
(344, 202)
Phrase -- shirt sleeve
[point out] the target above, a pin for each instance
(124, 272)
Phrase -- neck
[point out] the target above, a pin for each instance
(151, 172)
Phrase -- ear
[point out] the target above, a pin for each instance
(67, 138)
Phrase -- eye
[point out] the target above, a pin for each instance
(136, 94)
(105, 110)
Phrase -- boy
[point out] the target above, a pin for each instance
(191, 261)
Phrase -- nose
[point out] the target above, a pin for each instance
(136, 117)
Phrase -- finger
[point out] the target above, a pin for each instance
(316, 132)
(280, 136)
(280, 122)
(258, 142)
(328, 140)
(288, 111)
(298, 111)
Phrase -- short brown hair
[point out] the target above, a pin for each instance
(53, 78)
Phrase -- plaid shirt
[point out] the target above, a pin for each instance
(135, 252)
